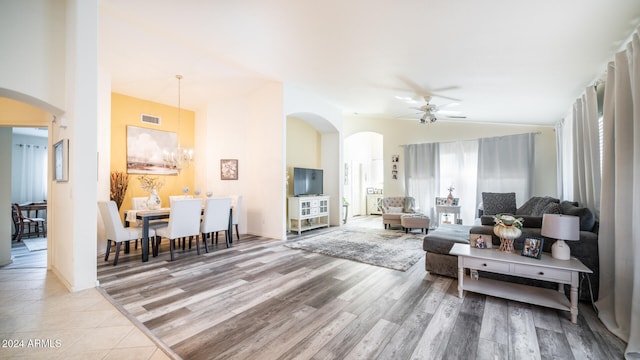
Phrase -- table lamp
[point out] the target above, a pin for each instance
(560, 227)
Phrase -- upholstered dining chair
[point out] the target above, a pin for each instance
(236, 203)
(173, 198)
(216, 219)
(184, 221)
(116, 232)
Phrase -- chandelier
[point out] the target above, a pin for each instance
(180, 157)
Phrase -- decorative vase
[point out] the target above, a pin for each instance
(506, 234)
(153, 202)
(450, 199)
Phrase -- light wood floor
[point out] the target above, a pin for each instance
(262, 300)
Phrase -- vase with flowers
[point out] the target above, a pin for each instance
(152, 185)
(507, 228)
(450, 197)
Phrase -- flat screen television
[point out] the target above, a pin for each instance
(307, 181)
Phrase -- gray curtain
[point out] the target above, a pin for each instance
(422, 175)
(505, 164)
(619, 237)
(586, 151)
(560, 159)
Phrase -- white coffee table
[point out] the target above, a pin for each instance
(546, 268)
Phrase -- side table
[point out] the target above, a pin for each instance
(546, 268)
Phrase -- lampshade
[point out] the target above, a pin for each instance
(562, 227)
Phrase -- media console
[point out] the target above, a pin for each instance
(308, 212)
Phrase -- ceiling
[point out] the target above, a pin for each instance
(507, 61)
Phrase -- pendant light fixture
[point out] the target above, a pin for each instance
(184, 156)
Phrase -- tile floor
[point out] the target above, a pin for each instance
(40, 318)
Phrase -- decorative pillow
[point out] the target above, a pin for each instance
(395, 210)
(587, 218)
(499, 203)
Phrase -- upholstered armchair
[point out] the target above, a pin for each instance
(394, 207)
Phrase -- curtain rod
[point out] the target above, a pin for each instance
(534, 133)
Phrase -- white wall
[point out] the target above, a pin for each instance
(402, 132)
(53, 66)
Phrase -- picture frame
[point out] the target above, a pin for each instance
(441, 201)
(370, 191)
(480, 241)
(61, 161)
(151, 151)
(229, 169)
(532, 247)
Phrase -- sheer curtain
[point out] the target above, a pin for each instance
(459, 168)
(586, 151)
(29, 175)
(505, 164)
(422, 175)
(619, 236)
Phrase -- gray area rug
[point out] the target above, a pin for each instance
(387, 248)
(35, 244)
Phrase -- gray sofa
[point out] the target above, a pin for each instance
(438, 243)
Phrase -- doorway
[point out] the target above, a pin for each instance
(29, 189)
(364, 172)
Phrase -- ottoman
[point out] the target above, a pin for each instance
(415, 221)
(437, 245)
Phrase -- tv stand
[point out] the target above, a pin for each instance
(308, 212)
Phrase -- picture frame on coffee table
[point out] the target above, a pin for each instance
(532, 247)
(480, 241)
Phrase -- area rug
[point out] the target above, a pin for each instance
(387, 248)
(35, 244)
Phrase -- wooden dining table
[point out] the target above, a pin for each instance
(147, 215)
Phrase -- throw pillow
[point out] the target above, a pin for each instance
(587, 218)
(499, 203)
(395, 210)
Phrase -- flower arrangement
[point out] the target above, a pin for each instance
(148, 183)
(118, 186)
(508, 220)
(451, 188)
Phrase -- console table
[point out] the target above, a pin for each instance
(447, 209)
(546, 268)
(308, 212)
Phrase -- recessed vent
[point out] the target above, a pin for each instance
(150, 119)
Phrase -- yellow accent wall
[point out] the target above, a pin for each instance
(303, 148)
(127, 111)
(15, 113)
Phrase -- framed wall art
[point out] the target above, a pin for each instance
(61, 160)
(151, 152)
(229, 169)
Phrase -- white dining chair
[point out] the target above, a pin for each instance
(236, 203)
(184, 221)
(173, 198)
(216, 219)
(115, 231)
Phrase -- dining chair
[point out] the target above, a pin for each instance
(184, 221)
(215, 219)
(115, 230)
(236, 203)
(20, 221)
(173, 198)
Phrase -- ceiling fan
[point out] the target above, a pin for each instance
(431, 112)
